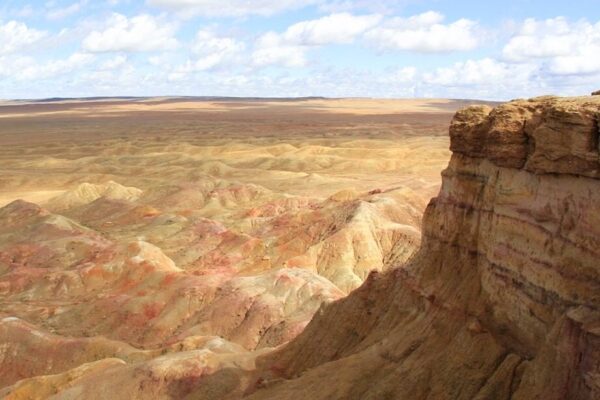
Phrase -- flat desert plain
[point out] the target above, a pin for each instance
(140, 238)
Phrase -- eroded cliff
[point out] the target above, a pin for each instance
(502, 300)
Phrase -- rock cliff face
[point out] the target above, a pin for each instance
(503, 299)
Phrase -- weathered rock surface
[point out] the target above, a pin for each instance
(503, 298)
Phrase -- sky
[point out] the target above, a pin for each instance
(496, 50)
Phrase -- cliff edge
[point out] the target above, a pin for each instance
(503, 299)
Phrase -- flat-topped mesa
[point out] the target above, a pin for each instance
(541, 135)
(502, 301)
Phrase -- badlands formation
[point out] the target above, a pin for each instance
(275, 250)
(162, 240)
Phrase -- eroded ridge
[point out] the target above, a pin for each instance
(156, 250)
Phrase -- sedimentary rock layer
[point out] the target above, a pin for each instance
(503, 298)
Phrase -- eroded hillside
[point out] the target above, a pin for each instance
(153, 246)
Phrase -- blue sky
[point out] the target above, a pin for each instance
(337, 48)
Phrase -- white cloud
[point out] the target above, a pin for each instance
(418, 21)
(425, 33)
(136, 34)
(402, 75)
(159, 60)
(271, 49)
(380, 6)
(334, 28)
(289, 48)
(233, 8)
(10, 65)
(28, 69)
(485, 79)
(212, 51)
(114, 62)
(567, 48)
(208, 52)
(585, 60)
(15, 36)
(548, 38)
(120, 76)
(478, 72)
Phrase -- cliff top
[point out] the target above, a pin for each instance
(542, 135)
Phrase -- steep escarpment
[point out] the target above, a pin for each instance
(502, 301)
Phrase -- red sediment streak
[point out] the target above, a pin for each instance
(296, 262)
(253, 212)
(168, 280)
(152, 311)
(277, 370)
(250, 245)
(97, 272)
(127, 284)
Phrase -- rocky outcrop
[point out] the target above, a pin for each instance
(502, 301)
(543, 136)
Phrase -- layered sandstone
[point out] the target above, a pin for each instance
(501, 301)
